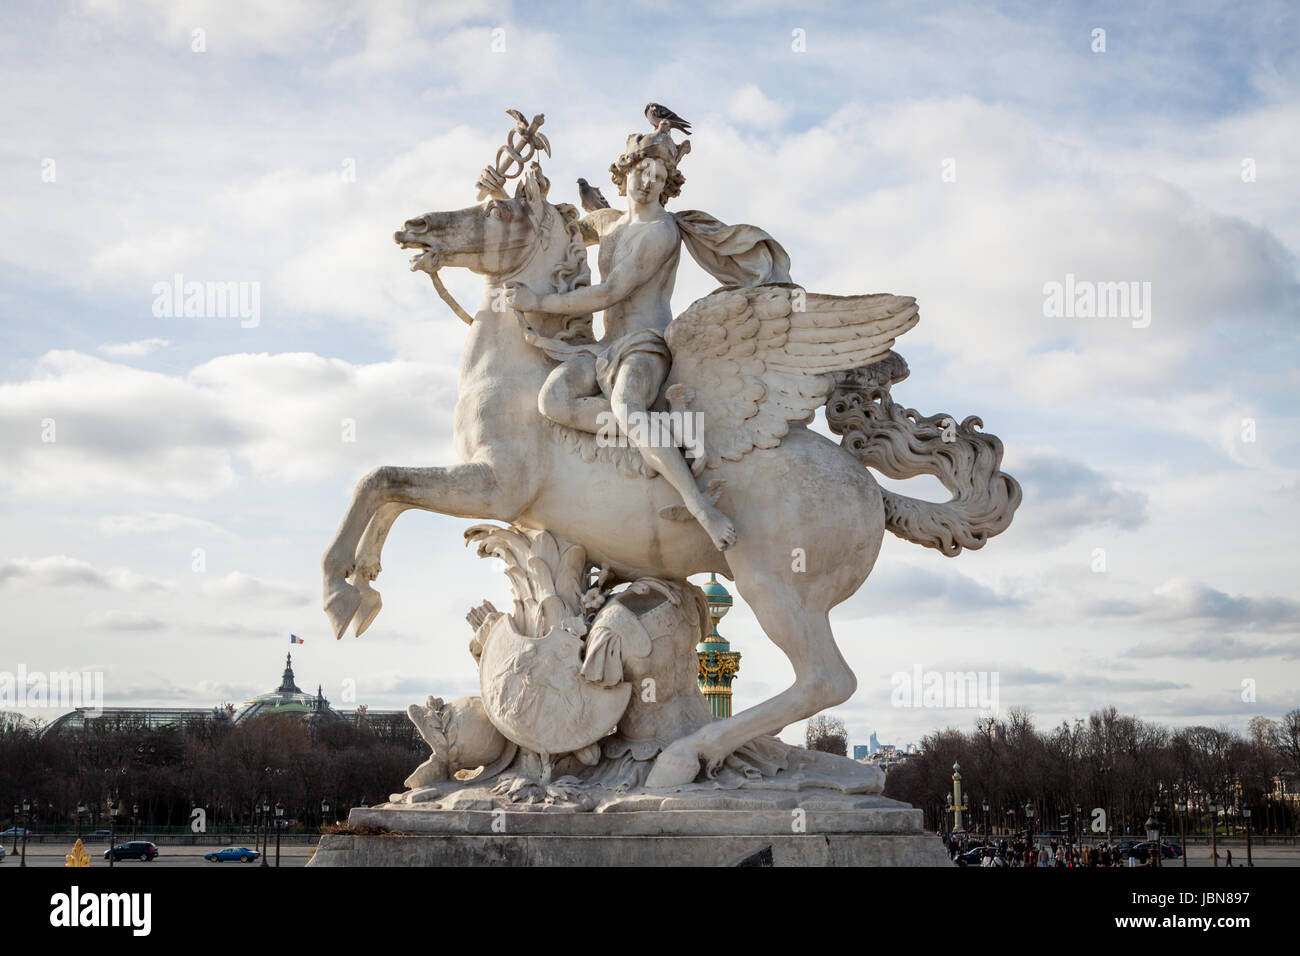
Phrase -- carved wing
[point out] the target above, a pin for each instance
(752, 361)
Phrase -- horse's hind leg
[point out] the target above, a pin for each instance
(821, 679)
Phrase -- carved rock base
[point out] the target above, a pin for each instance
(726, 828)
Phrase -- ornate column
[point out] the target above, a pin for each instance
(719, 664)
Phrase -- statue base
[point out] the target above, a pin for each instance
(722, 828)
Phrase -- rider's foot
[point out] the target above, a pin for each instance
(718, 525)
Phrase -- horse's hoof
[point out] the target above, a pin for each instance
(675, 767)
(341, 606)
(370, 605)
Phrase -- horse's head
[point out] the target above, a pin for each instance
(495, 238)
(525, 238)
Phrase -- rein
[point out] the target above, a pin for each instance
(455, 306)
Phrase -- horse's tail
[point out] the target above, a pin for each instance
(901, 443)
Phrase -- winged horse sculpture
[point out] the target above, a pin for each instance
(755, 364)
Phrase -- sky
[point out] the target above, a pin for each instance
(168, 484)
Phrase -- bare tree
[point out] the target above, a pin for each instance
(828, 734)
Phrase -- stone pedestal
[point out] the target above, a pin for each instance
(645, 830)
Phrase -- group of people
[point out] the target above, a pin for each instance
(1016, 852)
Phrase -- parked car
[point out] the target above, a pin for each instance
(95, 836)
(241, 853)
(13, 832)
(135, 850)
(2, 854)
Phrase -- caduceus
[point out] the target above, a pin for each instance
(522, 143)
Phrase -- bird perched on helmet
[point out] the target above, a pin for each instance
(591, 197)
(658, 115)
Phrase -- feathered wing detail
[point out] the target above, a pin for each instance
(753, 361)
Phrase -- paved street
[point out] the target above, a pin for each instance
(47, 854)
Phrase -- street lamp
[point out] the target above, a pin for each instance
(324, 811)
(1214, 833)
(81, 809)
(1029, 829)
(266, 811)
(279, 822)
(135, 820)
(1244, 810)
(27, 825)
(112, 830)
(16, 809)
(1078, 824)
(986, 824)
(1153, 837)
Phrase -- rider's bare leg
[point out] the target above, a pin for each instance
(635, 388)
(570, 396)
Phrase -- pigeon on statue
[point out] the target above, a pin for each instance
(658, 115)
(591, 197)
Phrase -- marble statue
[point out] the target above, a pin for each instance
(615, 467)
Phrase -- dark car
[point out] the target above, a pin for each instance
(241, 853)
(135, 850)
(96, 835)
(1143, 851)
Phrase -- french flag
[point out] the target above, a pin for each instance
(295, 639)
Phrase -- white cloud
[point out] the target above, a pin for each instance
(129, 621)
(155, 522)
(750, 107)
(245, 588)
(136, 349)
(60, 570)
(288, 417)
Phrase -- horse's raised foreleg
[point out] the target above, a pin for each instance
(468, 490)
(821, 679)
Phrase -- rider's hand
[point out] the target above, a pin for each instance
(491, 182)
(519, 296)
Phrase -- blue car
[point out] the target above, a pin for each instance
(241, 853)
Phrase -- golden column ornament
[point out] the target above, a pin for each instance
(719, 664)
(958, 806)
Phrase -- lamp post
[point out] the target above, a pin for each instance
(27, 825)
(135, 820)
(112, 830)
(986, 824)
(266, 811)
(1078, 825)
(1029, 829)
(279, 823)
(1245, 812)
(16, 809)
(324, 811)
(1214, 833)
(1153, 837)
(81, 809)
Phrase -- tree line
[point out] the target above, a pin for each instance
(227, 769)
(1114, 763)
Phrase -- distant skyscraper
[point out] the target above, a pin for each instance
(860, 751)
(875, 744)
